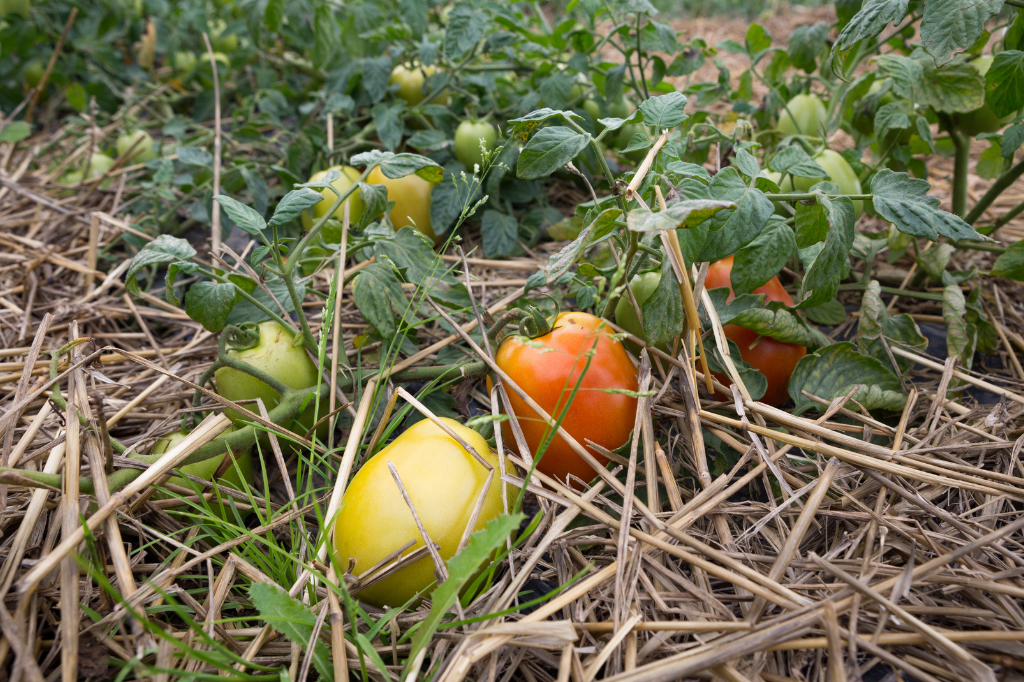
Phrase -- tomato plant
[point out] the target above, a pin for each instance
(442, 479)
(775, 359)
(576, 364)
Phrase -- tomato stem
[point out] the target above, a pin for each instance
(997, 188)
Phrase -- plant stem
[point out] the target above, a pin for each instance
(961, 165)
(810, 196)
(997, 188)
(925, 295)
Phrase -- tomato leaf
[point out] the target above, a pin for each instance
(379, 297)
(293, 619)
(663, 310)
(685, 213)
(1010, 263)
(499, 232)
(689, 170)
(461, 569)
(389, 123)
(15, 131)
(294, 203)
(832, 371)
(612, 124)
(1004, 83)
(414, 255)
(876, 322)
(729, 230)
(775, 323)
(163, 249)
(637, 142)
(832, 263)
(904, 202)
(830, 314)
(763, 258)
(549, 150)
(194, 156)
(665, 111)
(959, 339)
(752, 378)
(906, 73)
(560, 262)
(795, 161)
(954, 87)
(890, 117)
(466, 27)
(872, 18)
(935, 260)
(247, 219)
(806, 43)
(523, 125)
(210, 303)
(245, 311)
(451, 197)
(951, 26)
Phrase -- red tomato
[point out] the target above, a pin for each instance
(774, 359)
(548, 368)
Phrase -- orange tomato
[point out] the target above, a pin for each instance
(548, 368)
(772, 358)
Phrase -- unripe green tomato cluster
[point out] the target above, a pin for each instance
(277, 355)
(803, 115)
(442, 479)
(470, 136)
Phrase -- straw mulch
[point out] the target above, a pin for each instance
(836, 546)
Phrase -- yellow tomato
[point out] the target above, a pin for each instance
(410, 84)
(355, 201)
(411, 195)
(443, 481)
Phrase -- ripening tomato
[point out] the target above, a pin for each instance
(277, 355)
(803, 115)
(411, 195)
(548, 368)
(982, 119)
(772, 358)
(349, 175)
(20, 7)
(410, 84)
(443, 481)
(468, 138)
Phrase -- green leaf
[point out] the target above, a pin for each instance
(1013, 138)
(210, 303)
(806, 43)
(890, 117)
(1010, 263)
(523, 125)
(960, 340)
(294, 203)
(872, 18)
(955, 87)
(689, 170)
(273, 14)
(397, 166)
(560, 262)
(763, 258)
(990, 163)
(775, 323)
(461, 569)
(414, 255)
(245, 311)
(15, 131)
(665, 111)
(730, 229)
(685, 213)
(821, 281)
(727, 309)
(244, 217)
(194, 156)
(832, 371)
(293, 619)
(906, 73)
(499, 232)
(757, 41)
(1004, 83)
(875, 321)
(935, 260)
(163, 249)
(795, 161)
(375, 202)
(756, 383)
(549, 150)
(663, 310)
(428, 140)
(466, 27)
(904, 201)
(637, 142)
(746, 163)
(389, 122)
(379, 297)
(451, 197)
(612, 124)
(830, 314)
(951, 26)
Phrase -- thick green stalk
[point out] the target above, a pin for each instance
(997, 188)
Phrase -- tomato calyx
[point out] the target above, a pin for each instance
(536, 323)
(240, 337)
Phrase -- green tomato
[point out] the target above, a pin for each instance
(643, 287)
(621, 108)
(184, 62)
(207, 468)
(226, 43)
(593, 110)
(803, 115)
(99, 164)
(275, 355)
(626, 133)
(355, 201)
(410, 84)
(982, 119)
(140, 143)
(468, 138)
(444, 482)
(840, 172)
(34, 71)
